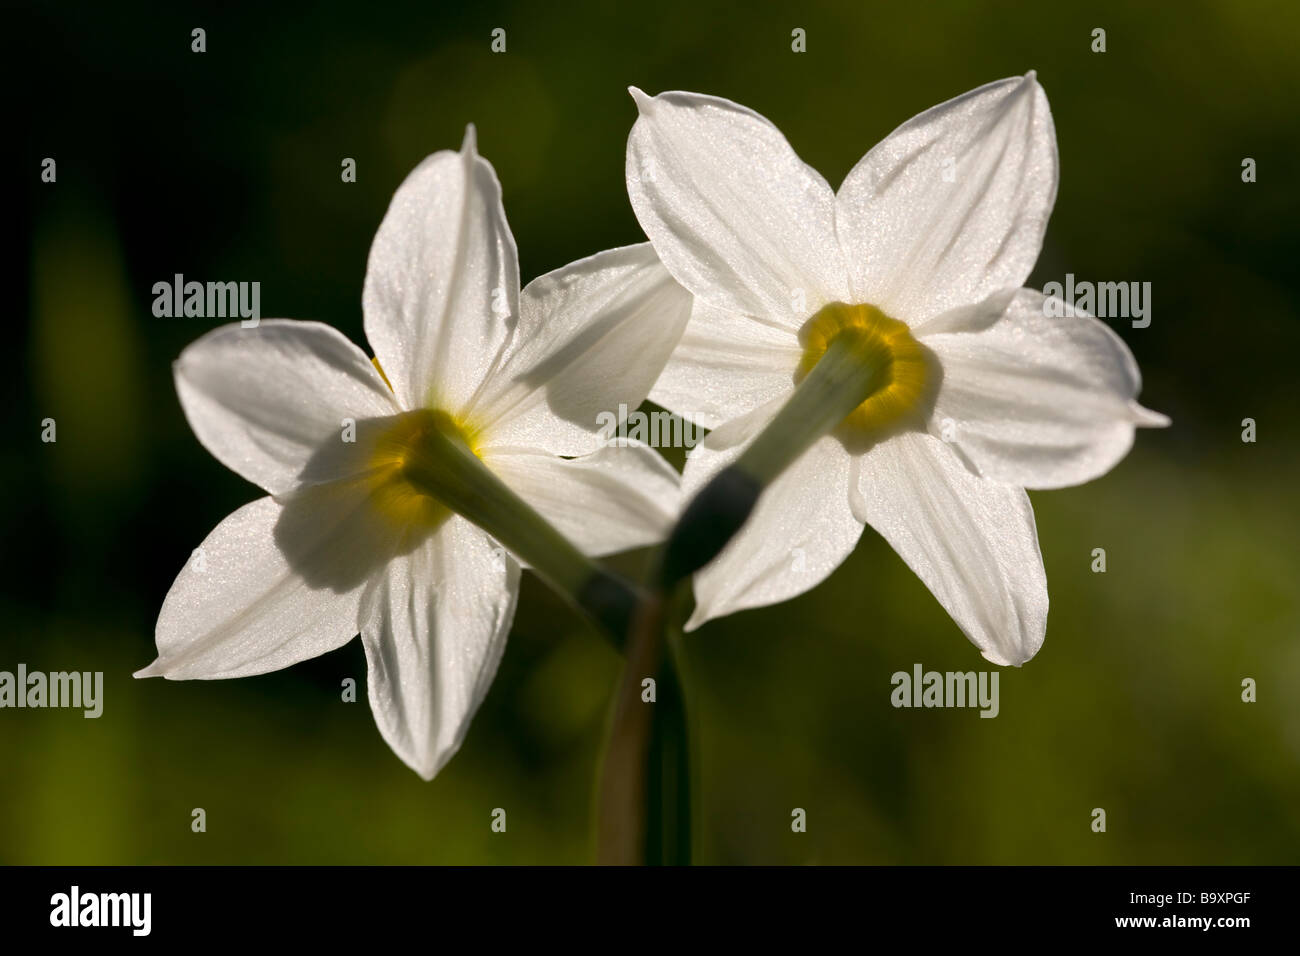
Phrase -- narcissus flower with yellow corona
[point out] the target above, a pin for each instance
(887, 324)
(394, 484)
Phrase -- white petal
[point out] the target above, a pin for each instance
(270, 402)
(1036, 401)
(442, 282)
(735, 215)
(434, 626)
(592, 336)
(726, 365)
(615, 498)
(952, 205)
(800, 531)
(272, 585)
(972, 542)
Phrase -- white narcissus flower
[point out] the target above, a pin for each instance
(345, 543)
(922, 252)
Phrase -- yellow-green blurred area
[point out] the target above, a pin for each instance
(225, 166)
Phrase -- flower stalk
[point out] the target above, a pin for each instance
(645, 795)
(442, 465)
(853, 367)
(645, 789)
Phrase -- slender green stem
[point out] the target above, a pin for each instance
(670, 791)
(624, 785)
(853, 367)
(644, 799)
(443, 466)
(645, 788)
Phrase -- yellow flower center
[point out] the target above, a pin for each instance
(908, 375)
(412, 439)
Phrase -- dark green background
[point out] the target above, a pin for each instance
(225, 166)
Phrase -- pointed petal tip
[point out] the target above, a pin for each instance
(1028, 84)
(424, 766)
(1016, 660)
(469, 145)
(1016, 656)
(643, 100)
(153, 670)
(1029, 81)
(1146, 418)
(1015, 88)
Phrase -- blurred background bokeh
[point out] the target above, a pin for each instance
(226, 166)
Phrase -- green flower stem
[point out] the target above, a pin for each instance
(645, 786)
(644, 799)
(669, 785)
(853, 367)
(623, 785)
(444, 467)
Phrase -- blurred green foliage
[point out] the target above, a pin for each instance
(226, 165)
